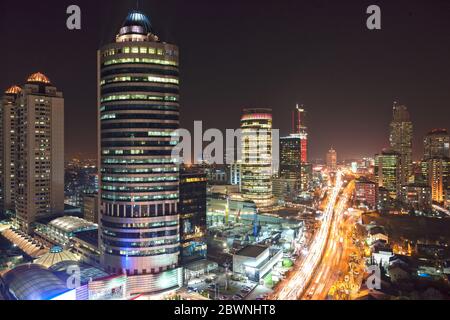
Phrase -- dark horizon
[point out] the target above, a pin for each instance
(255, 54)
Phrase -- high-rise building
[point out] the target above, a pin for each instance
(290, 157)
(436, 144)
(387, 172)
(8, 151)
(299, 127)
(401, 137)
(139, 179)
(39, 160)
(256, 125)
(193, 185)
(438, 177)
(291, 165)
(332, 159)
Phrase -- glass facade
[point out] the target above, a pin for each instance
(387, 172)
(193, 214)
(256, 125)
(138, 112)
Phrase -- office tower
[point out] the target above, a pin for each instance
(256, 125)
(438, 177)
(299, 127)
(139, 179)
(39, 161)
(401, 137)
(332, 159)
(8, 122)
(436, 144)
(290, 157)
(387, 172)
(193, 184)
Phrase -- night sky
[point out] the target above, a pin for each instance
(254, 53)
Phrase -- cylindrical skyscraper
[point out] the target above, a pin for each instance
(256, 125)
(138, 112)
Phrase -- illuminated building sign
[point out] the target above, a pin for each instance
(108, 289)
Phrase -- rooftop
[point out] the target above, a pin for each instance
(13, 90)
(89, 236)
(252, 251)
(33, 282)
(87, 272)
(54, 256)
(70, 224)
(38, 78)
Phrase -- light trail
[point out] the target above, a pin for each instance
(302, 276)
(438, 208)
(329, 265)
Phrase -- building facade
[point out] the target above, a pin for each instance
(438, 177)
(39, 159)
(417, 196)
(290, 157)
(8, 148)
(139, 180)
(256, 125)
(90, 207)
(436, 144)
(366, 192)
(387, 172)
(193, 186)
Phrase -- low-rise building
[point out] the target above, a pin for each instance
(256, 261)
(417, 196)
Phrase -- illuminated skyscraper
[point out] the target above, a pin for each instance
(290, 157)
(139, 179)
(300, 132)
(8, 122)
(299, 127)
(39, 160)
(256, 125)
(332, 159)
(401, 137)
(387, 172)
(436, 144)
(438, 177)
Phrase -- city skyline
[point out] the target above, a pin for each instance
(330, 197)
(324, 54)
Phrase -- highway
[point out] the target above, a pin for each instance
(334, 263)
(294, 287)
